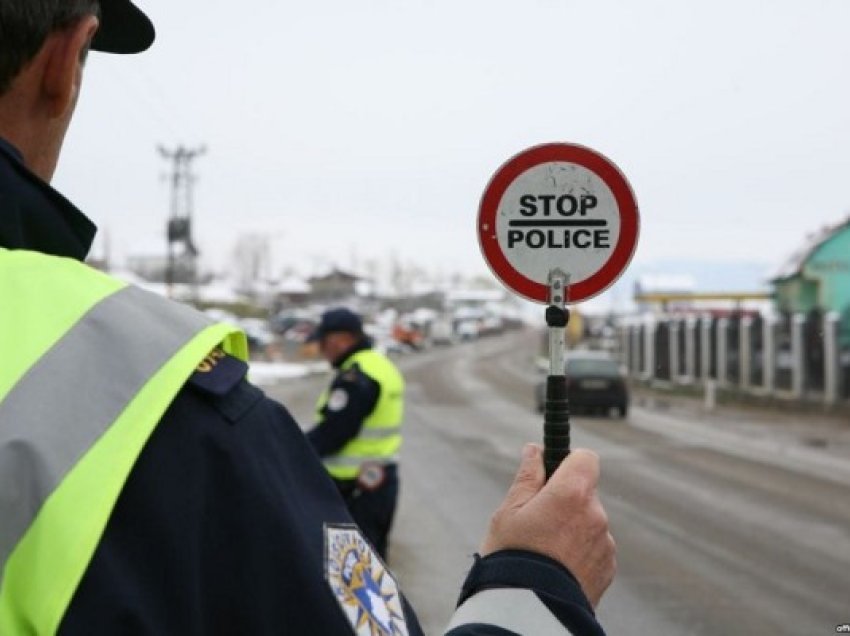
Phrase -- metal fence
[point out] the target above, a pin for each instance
(788, 356)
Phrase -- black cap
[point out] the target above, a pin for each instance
(123, 28)
(340, 319)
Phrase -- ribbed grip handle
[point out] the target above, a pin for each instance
(556, 424)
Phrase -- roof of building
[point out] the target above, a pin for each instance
(793, 266)
(293, 285)
(335, 273)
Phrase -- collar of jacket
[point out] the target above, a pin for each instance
(365, 343)
(34, 216)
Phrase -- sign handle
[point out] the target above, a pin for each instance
(556, 414)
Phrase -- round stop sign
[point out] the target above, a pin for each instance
(558, 206)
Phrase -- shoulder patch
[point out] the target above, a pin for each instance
(337, 400)
(218, 373)
(363, 586)
(351, 375)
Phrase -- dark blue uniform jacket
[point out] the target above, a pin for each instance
(340, 426)
(220, 526)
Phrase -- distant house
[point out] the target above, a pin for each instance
(817, 276)
(337, 285)
(291, 291)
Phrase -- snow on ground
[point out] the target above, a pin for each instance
(269, 373)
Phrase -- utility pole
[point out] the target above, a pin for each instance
(179, 224)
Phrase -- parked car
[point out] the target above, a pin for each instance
(442, 332)
(594, 383)
(467, 330)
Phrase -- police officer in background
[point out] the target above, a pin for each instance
(145, 486)
(358, 434)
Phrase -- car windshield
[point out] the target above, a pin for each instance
(584, 366)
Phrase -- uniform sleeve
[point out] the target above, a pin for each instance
(351, 398)
(221, 527)
(518, 592)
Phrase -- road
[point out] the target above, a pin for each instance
(736, 526)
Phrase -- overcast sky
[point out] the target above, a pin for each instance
(354, 130)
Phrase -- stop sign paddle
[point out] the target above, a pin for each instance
(558, 224)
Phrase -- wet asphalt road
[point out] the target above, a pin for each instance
(727, 526)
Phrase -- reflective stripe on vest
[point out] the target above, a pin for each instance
(380, 433)
(340, 461)
(518, 610)
(379, 438)
(75, 416)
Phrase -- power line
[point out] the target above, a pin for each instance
(179, 224)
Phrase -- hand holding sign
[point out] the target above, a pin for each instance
(558, 223)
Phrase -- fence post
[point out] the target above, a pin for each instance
(745, 352)
(710, 398)
(690, 348)
(625, 350)
(649, 343)
(722, 353)
(636, 344)
(673, 335)
(705, 372)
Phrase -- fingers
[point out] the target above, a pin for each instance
(562, 518)
(529, 479)
(507, 527)
(577, 475)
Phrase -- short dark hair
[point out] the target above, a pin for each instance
(25, 25)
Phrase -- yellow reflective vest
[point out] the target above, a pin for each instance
(90, 365)
(379, 439)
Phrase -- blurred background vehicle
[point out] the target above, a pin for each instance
(595, 382)
(442, 332)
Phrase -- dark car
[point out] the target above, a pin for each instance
(594, 383)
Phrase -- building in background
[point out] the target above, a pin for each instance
(337, 285)
(816, 278)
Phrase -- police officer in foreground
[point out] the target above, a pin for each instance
(358, 435)
(145, 486)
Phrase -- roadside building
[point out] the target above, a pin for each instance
(816, 278)
(337, 285)
(292, 291)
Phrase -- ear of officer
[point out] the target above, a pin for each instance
(336, 344)
(42, 97)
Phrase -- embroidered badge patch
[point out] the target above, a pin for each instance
(365, 589)
(371, 476)
(337, 400)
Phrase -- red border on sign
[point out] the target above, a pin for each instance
(546, 153)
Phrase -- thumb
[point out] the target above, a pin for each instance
(530, 478)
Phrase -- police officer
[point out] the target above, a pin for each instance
(145, 486)
(358, 435)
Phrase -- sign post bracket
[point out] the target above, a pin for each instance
(556, 414)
